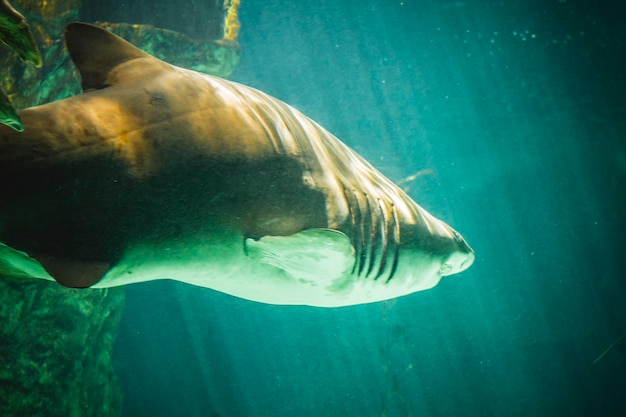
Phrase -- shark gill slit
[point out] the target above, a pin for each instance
(364, 233)
(384, 238)
(373, 238)
(396, 242)
(353, 208)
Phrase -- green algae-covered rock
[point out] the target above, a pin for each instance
(28, 86)
(55, 350)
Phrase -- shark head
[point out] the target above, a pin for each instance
(434, 249)
(428, 251)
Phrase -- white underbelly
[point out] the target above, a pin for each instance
(316, 274)
(224, 266)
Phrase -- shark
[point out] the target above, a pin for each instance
(159, 172)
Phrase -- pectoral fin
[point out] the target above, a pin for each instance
(305, 255)
(8, 114)
(69, 273)
(17, 264)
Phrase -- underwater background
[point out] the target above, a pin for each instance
(514, 114)
(512, 117)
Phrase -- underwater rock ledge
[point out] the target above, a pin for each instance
(55, 350)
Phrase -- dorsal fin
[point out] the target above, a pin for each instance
(96, 51)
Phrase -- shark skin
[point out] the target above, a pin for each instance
(158, 172)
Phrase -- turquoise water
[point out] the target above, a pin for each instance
(517, 112)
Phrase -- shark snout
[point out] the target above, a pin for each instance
(460, 259)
